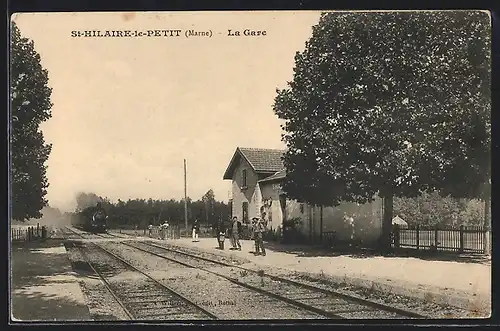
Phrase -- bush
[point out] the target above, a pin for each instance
(430, 209)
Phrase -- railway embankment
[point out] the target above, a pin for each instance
(44, 286)
(465, 285)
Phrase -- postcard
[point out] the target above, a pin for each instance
(250, 165)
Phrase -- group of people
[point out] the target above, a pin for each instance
(162, 229)
(234, 232)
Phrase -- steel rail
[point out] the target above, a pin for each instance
(250, 287)
(346, 297)
(178, 295)
(108, 286)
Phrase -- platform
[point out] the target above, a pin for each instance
(43, 284)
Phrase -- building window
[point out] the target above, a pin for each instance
(302, 208)
(245, 212)
(244, 181)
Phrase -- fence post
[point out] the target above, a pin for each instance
(418, 237)
(461, 239)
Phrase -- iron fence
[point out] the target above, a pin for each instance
(28, 234)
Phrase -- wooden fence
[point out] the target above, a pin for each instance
(28, 234)
(466, 239)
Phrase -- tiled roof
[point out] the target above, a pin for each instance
(263, 160)
(276, 176)
(260, 159)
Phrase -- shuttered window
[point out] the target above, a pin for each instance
(244, 179)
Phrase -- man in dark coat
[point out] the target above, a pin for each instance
(259, 230)
(236, 233)
(253, 235)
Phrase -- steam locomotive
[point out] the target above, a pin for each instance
(91, 219)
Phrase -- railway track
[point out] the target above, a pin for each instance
(323, 302)
(319, 302)
(143, 297)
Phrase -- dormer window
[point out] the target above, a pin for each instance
(244, 178)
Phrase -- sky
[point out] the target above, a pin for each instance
(127, 111)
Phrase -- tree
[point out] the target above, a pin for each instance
(431, 209)
(30, 106)
(381, 102)
(209, 206)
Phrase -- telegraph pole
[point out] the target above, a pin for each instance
(185, 197)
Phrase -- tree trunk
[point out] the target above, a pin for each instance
(321, 224)
(487, 210)
(387, 222)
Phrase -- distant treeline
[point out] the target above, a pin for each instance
(142, 212)
(429, 209)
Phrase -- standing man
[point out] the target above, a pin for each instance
(229, 233)
(235, 233)
(150, 228)
(253, 233)
(260, 229)
(195, 230)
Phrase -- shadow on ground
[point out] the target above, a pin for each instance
(360, 253)
(42, 284)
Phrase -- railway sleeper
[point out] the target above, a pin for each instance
(138, 302)
(168, 310)
(160, 307)
(370, 315)
(184, 317)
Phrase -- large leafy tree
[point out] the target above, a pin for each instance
(30, 106)
(390, 104)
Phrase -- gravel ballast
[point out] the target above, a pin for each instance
(424, 307)
(225, 299)
(215, 294)
(102, 305)
(311, 297)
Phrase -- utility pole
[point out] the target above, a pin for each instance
(185, 197)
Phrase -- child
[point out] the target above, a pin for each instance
(222, 237)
